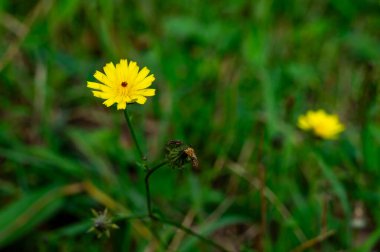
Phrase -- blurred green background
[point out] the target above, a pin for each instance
(232, 77)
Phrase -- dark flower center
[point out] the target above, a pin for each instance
(124, 84)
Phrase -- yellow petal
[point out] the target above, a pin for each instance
(98, 86)
(110, 71)
(145, 82)
(122, 69)
(303, 123)
(139, 99)
(142, 74)
(128, 99)
(121, 105)
(339, 128)
(133, 69)
(146, 92)
(102, 78)
(109, 102)
(103, 95)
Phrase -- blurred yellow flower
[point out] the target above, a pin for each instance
(122, 84)
(322, 124)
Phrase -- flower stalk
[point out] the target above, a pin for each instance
(147, 187)
(134, 136)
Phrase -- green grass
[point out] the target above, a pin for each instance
(232, 77)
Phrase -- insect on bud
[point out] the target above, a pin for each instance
(178, 154)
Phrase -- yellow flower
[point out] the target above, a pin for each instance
(322, 124)
(122, 84)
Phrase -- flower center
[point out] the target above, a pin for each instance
(124, 84)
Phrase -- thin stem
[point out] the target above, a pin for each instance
(191, 232)
(148, 174)
(128, 119)
(312, 242)
(263, 207)
(263, 202)
(130, 217)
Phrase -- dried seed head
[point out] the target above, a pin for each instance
(102, 223)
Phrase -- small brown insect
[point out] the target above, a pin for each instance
(191, 154)
(175, 142)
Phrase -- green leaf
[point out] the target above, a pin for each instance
(209, 228)
(370, 139)
(23, 215)
(371, 241)
(336, 185)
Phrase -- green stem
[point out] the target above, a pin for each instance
(191, 232)
(148, 174)
(130, 217)
(128, 119)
